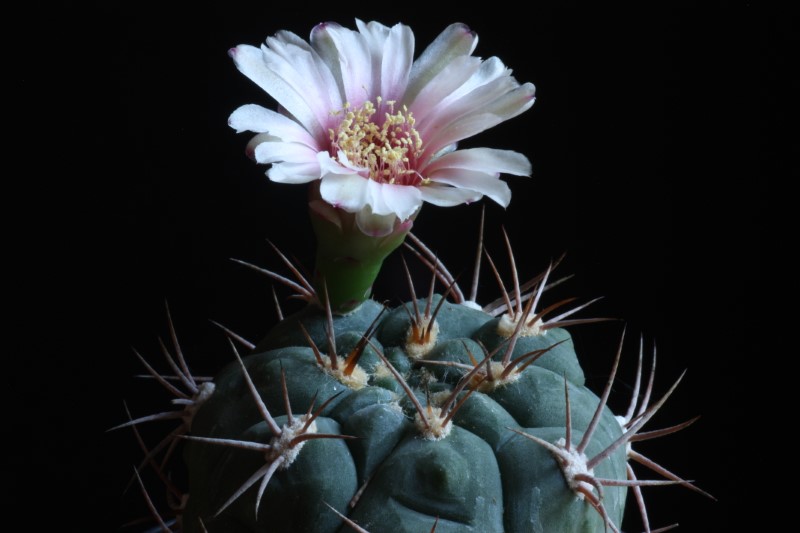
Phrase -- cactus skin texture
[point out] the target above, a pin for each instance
(483, 476)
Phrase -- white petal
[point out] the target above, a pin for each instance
(448, 196)
(490, 185)
(403, 200)
(250, 61)
(354, 168)
(514, 102)
(490, 70)
(481, 100)
(289, 37)
(252, 117)
(502, 109)
(444, 150)
(347, 191)
(385, 198)
(456, 40)
(374, 36)
(397, 58)
(347, 55)
(449, 79)
(309, 65)
(249, 117)
(322, 42)
(328, 165)
(308, 76)
(490, 81)
(488, 160)
(272, 152)
(293, 172)
(375, 198)
(375, 225)
(374, 31)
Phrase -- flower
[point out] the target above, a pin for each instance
(377, 128)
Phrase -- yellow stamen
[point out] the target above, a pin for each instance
(387, 150)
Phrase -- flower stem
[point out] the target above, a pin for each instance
(348, 260)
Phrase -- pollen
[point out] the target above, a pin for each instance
(380, 140)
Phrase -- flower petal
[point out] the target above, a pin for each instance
(289, 37)
(488, 160)
(403, 200)
(480, 94)
(273, 152)
(456, 40)
(293, 172)
(397, 58)
(452, 76)
(308, 76)
(309, 65)
(250, 62)
(448, 196)
(252, 117)
(375, 225)
(385, 198)
(503, 108)
(374, 35)
(250, 149)
(347, 55)
(486, 83)
(328, 165)
(321, 41)
(347, 191)
(490, 70)
(375, 198)
(490, 185)
(374, 32)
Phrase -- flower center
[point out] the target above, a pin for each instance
(385, 147)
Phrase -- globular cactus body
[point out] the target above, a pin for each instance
(481, 475)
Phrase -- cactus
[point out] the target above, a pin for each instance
(435, 414)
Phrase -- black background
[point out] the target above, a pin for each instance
(651, 141)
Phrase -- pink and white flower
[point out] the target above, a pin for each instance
(376, 127)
